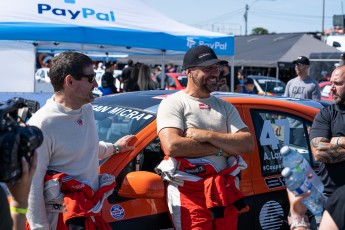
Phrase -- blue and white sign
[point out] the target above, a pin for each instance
(117, 212)
(130, 24)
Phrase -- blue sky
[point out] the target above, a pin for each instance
(280, 16)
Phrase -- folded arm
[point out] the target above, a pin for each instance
(199, 143)
(176, 145)
(328, 151)
(231, 143)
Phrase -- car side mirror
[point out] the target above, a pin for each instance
(142, 184)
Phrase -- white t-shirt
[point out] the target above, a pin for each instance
(183, 111)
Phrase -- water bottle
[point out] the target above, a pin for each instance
(298, 184)
(296, 162)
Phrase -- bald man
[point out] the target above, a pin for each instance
(328, 136)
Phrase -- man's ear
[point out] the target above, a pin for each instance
(188, 72)
(69, 80)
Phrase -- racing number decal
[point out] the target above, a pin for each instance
(267, 136)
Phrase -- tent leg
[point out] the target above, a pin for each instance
(232, 85)
(163, 68)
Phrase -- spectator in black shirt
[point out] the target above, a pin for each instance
(328, 136)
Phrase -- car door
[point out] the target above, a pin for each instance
(268, 203)
(138, 212)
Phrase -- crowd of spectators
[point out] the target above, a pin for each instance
(139, 76)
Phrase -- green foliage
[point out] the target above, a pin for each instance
(259, 31)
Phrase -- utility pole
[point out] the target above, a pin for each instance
(342, 18)
(246, 19)
(323, 17)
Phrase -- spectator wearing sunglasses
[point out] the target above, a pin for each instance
(71, 144)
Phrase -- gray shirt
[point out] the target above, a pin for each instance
(304, 89)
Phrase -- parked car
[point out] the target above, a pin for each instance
(266, 85)
(138, 201)
(176, 81)
(326, 92)
(41, 75)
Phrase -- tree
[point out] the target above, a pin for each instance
(259, 31)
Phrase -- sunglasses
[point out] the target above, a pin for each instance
(212, 69)
(299, 64)
(90, 77)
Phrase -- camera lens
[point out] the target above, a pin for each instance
(31, 138)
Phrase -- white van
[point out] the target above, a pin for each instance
(337, 41)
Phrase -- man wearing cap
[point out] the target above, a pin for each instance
(202, 136)
(302, 86)
(248, 86)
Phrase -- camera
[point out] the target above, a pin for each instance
(17, 139)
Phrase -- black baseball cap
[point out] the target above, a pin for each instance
(200, 56)
(302, 60)
(248, 81)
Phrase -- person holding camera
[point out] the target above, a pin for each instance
(71, 144)
(13, 216)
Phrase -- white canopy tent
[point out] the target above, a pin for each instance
(94, 27)
(117, 26)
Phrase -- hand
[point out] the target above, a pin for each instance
(277, 130)
(196, 134)
(336, 142)
(123, 143)
(20, 190)
(297, 208)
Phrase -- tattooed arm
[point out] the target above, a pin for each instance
(328, 151)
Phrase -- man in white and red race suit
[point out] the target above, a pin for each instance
(202, 137)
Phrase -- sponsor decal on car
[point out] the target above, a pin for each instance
(117, 212)
(123, 112)
(271, 215)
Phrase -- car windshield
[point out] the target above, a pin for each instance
(114, 122)
(272, 86)
(326, 90)
(183, 80)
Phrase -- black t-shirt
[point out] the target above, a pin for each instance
(328, 123)
(336, 208)
(126, 73)
(6, 220)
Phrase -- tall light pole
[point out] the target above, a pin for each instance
(246, 13)
(323, 17)
(246, 19)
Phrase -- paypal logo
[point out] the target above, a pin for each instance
(190, 42)
(215, 45)
(86, 13)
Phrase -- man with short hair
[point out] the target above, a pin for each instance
(126, 74)
(224, 83)
(71, 144)
(161, 78)
(327, 136)
(202, 137)
(303, 86)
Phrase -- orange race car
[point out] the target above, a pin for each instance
(138, 201)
